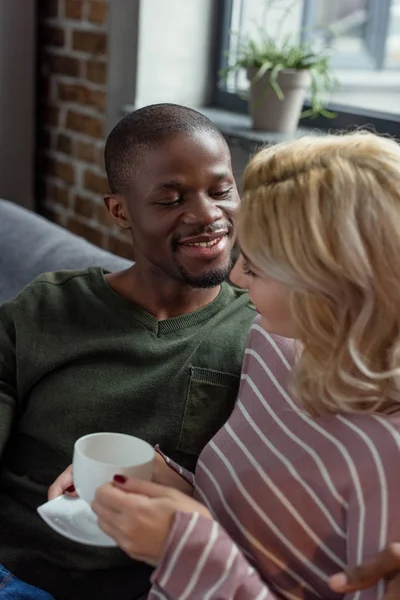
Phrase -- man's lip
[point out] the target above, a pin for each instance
(204, 238)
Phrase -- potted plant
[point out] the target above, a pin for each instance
(280, 71)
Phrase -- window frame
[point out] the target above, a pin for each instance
(346, 116)
(375, 38)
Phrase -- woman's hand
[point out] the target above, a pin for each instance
(138, 515)
(385, 565)
(64, 484)
(162, 473)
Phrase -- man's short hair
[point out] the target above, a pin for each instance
(143, 129)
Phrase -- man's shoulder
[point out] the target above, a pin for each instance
(60, 278)
(239, 301)
(50, 293)
(49, 287)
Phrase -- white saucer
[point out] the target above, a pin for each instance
(74, 519)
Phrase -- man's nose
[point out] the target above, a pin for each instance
(202, 210)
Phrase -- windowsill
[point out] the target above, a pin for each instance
(236, 127)
(369, 101)
(356, 80)
(373, 101)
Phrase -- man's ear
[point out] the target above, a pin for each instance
(117, 208)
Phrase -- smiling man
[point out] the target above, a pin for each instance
(180, 207)
(154, 351)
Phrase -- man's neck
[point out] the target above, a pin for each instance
(160, 298)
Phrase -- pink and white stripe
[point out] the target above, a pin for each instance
(295, 498)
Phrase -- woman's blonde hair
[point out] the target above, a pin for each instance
(322, 216)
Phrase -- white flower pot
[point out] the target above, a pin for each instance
(267, 111)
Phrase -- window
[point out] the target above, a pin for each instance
(363, 37)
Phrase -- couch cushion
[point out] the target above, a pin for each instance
(31, 245)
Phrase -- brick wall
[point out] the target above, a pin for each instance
(72, 98)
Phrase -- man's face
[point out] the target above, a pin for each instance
(181, 209)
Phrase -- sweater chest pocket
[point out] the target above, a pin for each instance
(209, 402)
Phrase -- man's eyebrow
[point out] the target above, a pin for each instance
(168, 185)
(223, 175)
(175, 184)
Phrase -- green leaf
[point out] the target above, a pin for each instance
(273, 79)
(275, 54)
(261, 71)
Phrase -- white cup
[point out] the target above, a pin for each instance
(100, 456)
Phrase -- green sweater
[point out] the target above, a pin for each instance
(76, 358)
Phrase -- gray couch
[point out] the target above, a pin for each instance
(31, 245)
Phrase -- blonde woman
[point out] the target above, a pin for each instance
(304, 477)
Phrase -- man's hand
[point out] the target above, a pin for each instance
(64, 484)
(385, 565)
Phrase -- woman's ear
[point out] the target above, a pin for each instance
(117, 209)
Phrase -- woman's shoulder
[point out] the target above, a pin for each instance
(369, 444)
(269, 346)
(378, 430)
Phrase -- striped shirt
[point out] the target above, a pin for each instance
(295, 498)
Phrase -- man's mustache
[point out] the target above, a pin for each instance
(176, 239)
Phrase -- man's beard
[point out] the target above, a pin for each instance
(210, 279)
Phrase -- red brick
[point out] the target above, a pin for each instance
(96, 99)
(84, 151)
(73, 9)
(96, 183)
(57, 194)
(90, 153)
(120, 247)
(52, 36)
(69, 92)
(81, 94)
(63, 65)
(85, 207)
(65, 144)
(60, 169)
(96, 71)
(98, 12)
(85, 124)
(61, 195)
(92, 235)
(91, 42)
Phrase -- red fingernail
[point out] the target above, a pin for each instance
(119, 478)
(70, 489)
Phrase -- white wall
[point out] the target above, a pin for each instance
(17, 102)
(175, 39)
